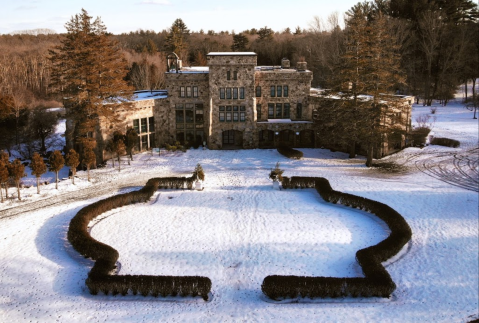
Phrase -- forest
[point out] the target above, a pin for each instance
(437, 43)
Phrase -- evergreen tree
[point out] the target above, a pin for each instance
(56, 164)
(240, 43)
(88, 70)
(72, 161)
(17, 172)
(369, 66)
(38, 168)
(176, 40)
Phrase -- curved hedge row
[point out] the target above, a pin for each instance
(377, 281)
(100, 277)
(290, 152)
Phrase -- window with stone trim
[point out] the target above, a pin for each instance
(270, 110)
(195, 91)
(299, 111)
(235, 93)
(285, 91)
(182, 92)
(286, 111)
(222, 93)
(189, 122)
(273, 91)
(188, 91)
(230, 113)
(228, 93)
(241, 93)
(279, 91)
(145, 127)
(258, 91)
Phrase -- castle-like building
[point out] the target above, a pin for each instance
(231, 104)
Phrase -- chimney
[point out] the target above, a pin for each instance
(285, 63)
(301, 66)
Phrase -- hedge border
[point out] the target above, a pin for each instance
(102, 278)
(290, 152)
(377, 281)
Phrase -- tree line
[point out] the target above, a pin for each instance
(437, 42)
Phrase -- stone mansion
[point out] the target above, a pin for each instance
(231, 104)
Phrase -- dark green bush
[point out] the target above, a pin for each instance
(377, 281)
(445, 142)
(100, 277)
(418, 135)
(290, 152)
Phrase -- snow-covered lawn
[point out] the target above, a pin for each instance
(239, 230)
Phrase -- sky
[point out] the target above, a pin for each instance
(130, 15)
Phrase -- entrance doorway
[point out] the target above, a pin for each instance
(229, 137)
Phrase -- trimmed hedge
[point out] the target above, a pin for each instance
(445, 142)
(290, 152)
(377, 281)
(101, 276)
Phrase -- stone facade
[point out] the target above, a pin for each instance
(231, 103)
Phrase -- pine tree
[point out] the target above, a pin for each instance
(370, 66)
(176, 40)
(56, 164)
(38, 168)
(198, 173)
(240, 43)
(17, 172)
(88, 70)
(72, 161)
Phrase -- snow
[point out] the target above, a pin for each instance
(149, 95)
(232, 54)
(239, 230)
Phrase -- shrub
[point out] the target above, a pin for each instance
(100, 277)
(418, 135)
(276, 173)
(445, 142)
(290, 152)
(377, 281)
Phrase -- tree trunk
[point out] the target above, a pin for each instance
(88, 172)
(56, 180)
(73, 175)
(119, 164)
(369, 156)
(18, 191)
(465, 90)
(131, 156)
(1, 193)
(113, 161)
(38, 184)
(352, 149)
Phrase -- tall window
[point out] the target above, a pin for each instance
(228, 75)
(285, 91)
(241, 93)
(270, 110)
(222, 93)
(258, 91)
(195, 91)
(279, 110)
(182, 91)
(279, 91)
(299, 111)
(273, 91)
(145, 127)
(189, 122)
(258, 111)
(235, 93)
(286, 111)
(188, 91)
(228, 93)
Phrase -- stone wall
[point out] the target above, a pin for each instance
(244, 67)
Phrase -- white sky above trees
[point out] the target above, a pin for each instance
(130, 15)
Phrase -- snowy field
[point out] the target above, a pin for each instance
(239, 230)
